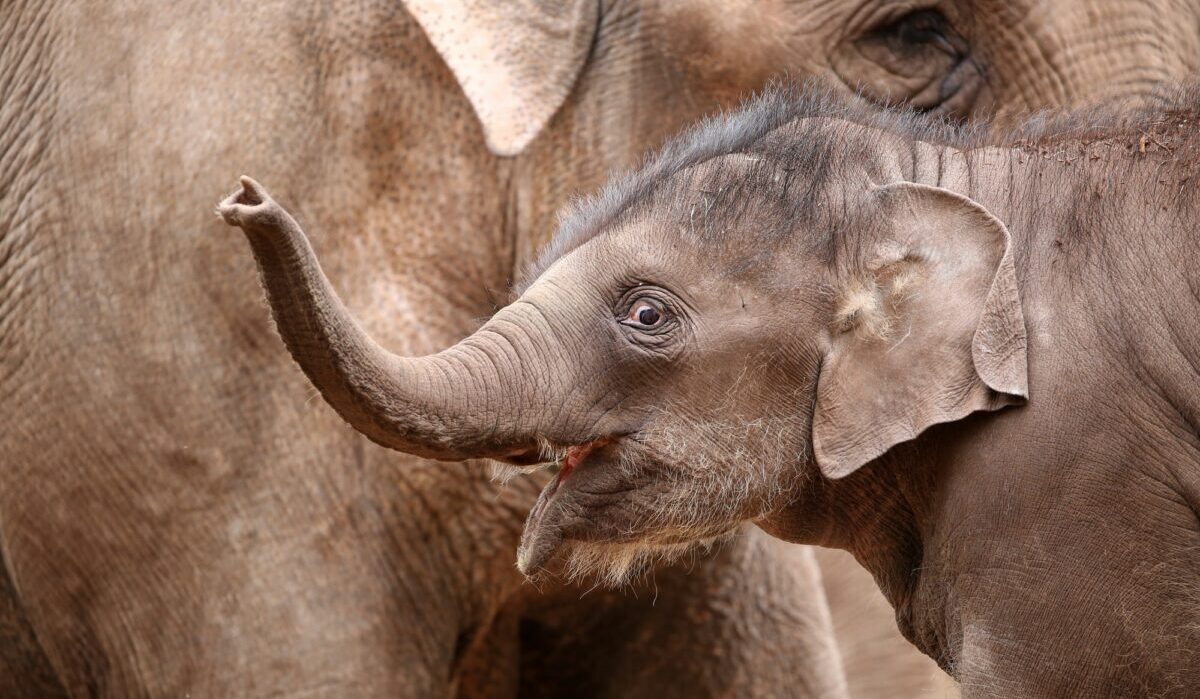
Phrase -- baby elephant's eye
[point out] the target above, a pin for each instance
(645, 314)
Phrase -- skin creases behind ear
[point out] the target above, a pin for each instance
(516, 60)
(931, 332)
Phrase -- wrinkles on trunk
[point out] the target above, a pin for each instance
(454, 405)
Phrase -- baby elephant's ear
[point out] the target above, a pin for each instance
(516, 60)
(928, 329)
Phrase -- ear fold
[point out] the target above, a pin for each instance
(516, 60)
(928, 330)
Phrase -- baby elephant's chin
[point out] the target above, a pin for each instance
(614, 564)
(589, 499)
(595, 519)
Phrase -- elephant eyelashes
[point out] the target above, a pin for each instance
(645, 314)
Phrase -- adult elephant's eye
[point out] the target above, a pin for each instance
(645, 313)
(917, 59)
(913, 32)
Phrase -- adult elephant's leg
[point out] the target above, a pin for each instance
(204, 576)
(750, 620)
(488, 663)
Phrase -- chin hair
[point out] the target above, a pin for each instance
(615, 565)
(691, 456)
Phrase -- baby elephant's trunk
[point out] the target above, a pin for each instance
(464, 402)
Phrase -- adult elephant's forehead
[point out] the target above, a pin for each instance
(957, 58)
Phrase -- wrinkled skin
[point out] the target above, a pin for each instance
(969, 365)
(177, 515)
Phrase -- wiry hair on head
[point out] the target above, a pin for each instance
(745, 130)
(816, 151)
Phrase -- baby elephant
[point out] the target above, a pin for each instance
(971, 361)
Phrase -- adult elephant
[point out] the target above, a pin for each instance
(178, 517)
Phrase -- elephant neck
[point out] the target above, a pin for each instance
(881, 514)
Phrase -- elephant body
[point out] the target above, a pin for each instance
(967, 359)
(178, 515)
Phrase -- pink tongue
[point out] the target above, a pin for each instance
(572, 459)
(574, 456)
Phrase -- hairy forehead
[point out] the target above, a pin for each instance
(777, 154)
(793, 135)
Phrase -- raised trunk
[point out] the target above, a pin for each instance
(441, 406)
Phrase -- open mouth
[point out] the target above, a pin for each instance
(574, 456)
(578, 510)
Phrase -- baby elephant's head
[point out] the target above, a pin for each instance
(721, 326)
(747, 309)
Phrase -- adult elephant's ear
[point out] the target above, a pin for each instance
(516, 60)
(928, 326)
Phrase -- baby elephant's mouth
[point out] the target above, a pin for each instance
(541, 537)
(572, 458)
(576, 454)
